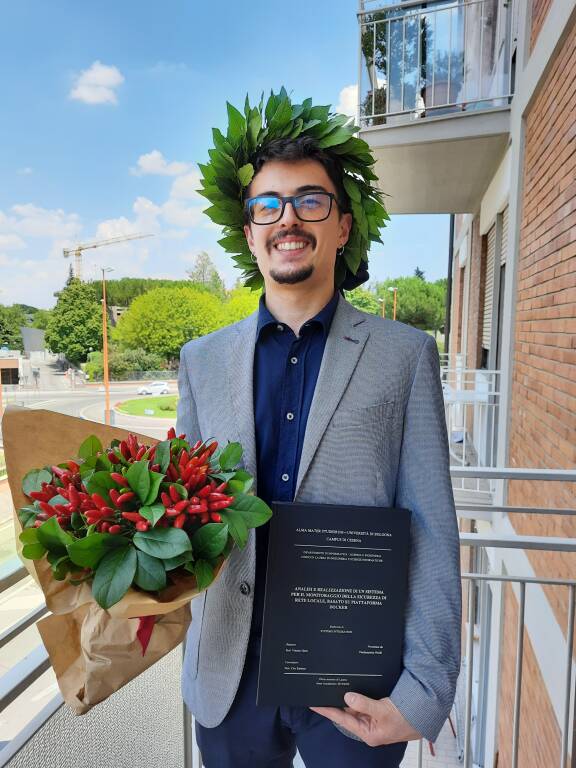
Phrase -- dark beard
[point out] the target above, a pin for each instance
(292, 277)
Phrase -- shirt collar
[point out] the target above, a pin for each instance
(324, 317)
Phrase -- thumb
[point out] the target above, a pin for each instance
(362, 704)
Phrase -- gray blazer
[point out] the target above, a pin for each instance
(376, 434)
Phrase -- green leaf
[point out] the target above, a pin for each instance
(155, 479)
(76, 521)
(33, 551)
(138, 476)
(339, 136)
(33, 480)
(240, 482)
(253, 510)
(27, 515)
(162, 455)
(153, 513)
(209, 540)
(90, 447)
(29, 536)
(100, 483)
(163, 542)
(230, 456)
(88, 552)
(58, 500)
(61, 566)
(114, 576)
(236, 526)
(351, 188)
(204, 574)
(174, 562)
(245, 174)
(150, 573)
(51, 536)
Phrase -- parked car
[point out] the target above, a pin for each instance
(154, 388)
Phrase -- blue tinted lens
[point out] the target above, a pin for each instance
(265, 207)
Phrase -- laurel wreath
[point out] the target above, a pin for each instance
(230, 170)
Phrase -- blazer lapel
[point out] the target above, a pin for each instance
(240, 381)
(344, 345)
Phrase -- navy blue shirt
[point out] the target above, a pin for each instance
(286, 369)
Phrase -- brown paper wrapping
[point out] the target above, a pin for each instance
(94, 652)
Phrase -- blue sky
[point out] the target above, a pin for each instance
(107, 107)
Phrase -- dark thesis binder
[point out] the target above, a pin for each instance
(336, 589)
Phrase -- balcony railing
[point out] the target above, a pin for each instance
(18, 682)
(420, 60)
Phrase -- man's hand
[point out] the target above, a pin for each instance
(374, 721)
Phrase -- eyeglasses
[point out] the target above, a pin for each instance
(312, 206)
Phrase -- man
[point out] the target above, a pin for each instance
(331, 405)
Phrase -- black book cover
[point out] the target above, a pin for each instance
(336, 586)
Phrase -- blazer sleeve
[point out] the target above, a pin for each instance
(186, 414)
(425, 691)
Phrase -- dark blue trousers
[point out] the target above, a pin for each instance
(268, 737)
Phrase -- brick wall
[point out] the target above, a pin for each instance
(539, 10)
(543, 409)
(476, 297)
(456, 311)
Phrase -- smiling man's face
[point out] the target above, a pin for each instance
(292, 251)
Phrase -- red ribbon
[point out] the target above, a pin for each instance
(144, 631)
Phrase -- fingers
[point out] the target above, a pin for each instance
(344, 719)
(363, 704)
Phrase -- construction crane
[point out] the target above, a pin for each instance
(77, 250)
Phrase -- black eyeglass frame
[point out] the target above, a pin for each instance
(290, 199)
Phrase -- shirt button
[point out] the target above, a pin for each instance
(289, 416)
(245, 588)
(285, 477)
(293, 360)
(280, 327)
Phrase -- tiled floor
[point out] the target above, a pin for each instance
(445, 749)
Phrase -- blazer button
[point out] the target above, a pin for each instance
(245, 588)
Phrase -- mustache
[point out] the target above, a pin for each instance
(292, 233)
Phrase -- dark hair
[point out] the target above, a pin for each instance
(302, 148)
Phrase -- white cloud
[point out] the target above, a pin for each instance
(184, 187)
(348, 103)
(11, 242)
(25, 171)
(97, 84)
(156, 164)
(33, 221)
(178, 214)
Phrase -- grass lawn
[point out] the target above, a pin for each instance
(162, 407)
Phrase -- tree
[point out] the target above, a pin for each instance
(419, 273)
(204, 273)
(75, 325)
(122, 292)
(418, 303)
(164, 319)
(364, 300)
(241, 303)
(11, 320)
(41, 318)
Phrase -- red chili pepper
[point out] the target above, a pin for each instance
(142, 525)
(195, 509)
(114, 495)
(220, 488)
(205, 518)
(39, 496)
(62, 509)
(115, 529)
(215, 496)
(204, 505)
(180, 520)
(73, 467)
(171, 433)
(141, 451)
(120, 479)
(38, 523)
(196, 445)
(212, 447)
(128, 496)
(155, 467)
(215, 517)
(172, 512)
(99, 501)
(47, 508)
(214, 505)
(134, 517)
(205, 491)
(113, 458)
(73, 496)
(181, 505)
(105, 526)
(174, 495)
(152, 453)
(172, 472)
(183, 460)
(125, 450)
(166, 500)
(58, 471)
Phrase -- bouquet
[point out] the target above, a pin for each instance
(128, 528)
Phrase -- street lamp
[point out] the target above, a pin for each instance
(105, 346)
(393, 288)
(382, 303)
